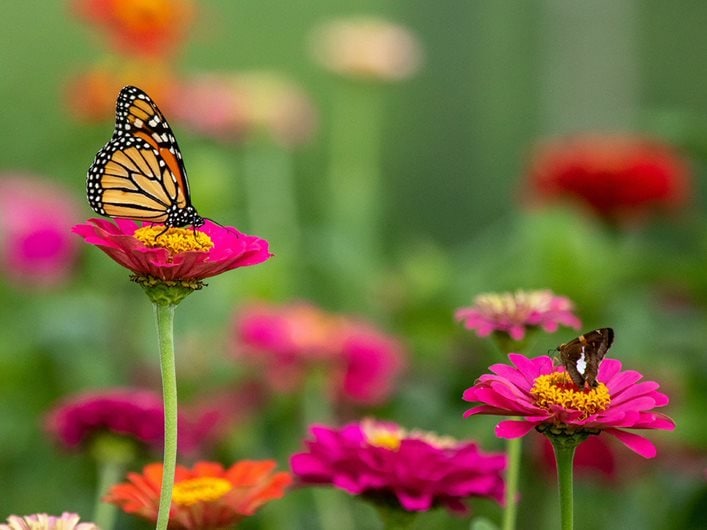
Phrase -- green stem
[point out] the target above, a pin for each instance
(164, 314)
(272, 205)
(564, 455)
(109, 473)
(354, 187)
(333, 510)
(394, 518)
(513, 452)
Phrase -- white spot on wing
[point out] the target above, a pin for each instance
(582, 363)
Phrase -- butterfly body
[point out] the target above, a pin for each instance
(139, 174)
(582, 356)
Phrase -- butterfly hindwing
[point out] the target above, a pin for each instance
(139, 174)
(582, 356)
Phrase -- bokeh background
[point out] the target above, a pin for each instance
(395, 200)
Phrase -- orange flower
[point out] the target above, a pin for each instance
(140, 27)
(206, 497)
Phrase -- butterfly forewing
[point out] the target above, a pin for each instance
(582, 356)
(139, 174)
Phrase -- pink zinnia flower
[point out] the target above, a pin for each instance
(618, 177)
(132, 413)
(35, 217)
(230, 107)
(382, 461)
(515, 313)
(206, 496)
(289, 341)
(546, 398)
(42, 521)
(177, 255)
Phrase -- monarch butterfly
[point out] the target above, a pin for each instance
(139, 174)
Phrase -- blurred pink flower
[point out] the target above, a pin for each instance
(231, 107)
(514, 313)
(42, 521)
(618, 177)
(367, 48)
(35, 222)
(417, 470)
(361, 362)
(140, 27)
(125, 412)
(545, 397)
(180, 254)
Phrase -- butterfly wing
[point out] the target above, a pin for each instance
(582, 356)
(139, 174)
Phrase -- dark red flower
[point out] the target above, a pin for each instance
(618, 177)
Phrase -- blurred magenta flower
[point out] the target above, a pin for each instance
(232, 107)
(205, 497)
(140, 27)
(367, 48)
(361, 363)
(515, 313)
(416, 470)
(125, 412)
(35, 220)
(42, 521)
(545, 397)
(179, 254)
(618, 177)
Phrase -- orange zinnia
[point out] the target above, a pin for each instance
(206, 497)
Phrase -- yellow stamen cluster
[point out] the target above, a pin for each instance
(515, 306)
(558, 389)
(390, 436)
(202, 489)
(175, 240)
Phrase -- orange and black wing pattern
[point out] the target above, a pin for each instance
(139, 174)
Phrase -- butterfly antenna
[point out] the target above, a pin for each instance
(222, 226)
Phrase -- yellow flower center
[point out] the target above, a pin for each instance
(390, 436)
(175, 240)
(201, 489)
(557, 388)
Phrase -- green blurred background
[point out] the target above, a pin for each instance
(497, 76)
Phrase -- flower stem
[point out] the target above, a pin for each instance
(164, 314)
(354, 187)
(564, 455)
(109, 473)
(332, 508)
(513, 453)
(395, 518)
(272, 205)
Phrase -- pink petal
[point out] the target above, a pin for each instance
(514, 429)
(636, 443)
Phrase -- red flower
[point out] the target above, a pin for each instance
(618, 177)
(205, 497)
(180, 254)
